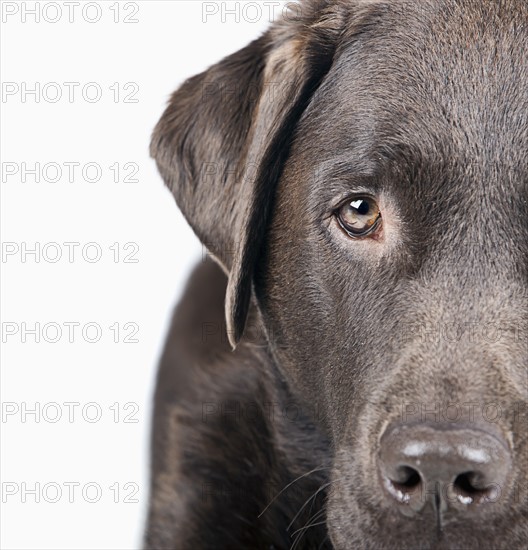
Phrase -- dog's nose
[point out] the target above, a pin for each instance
(452, 467)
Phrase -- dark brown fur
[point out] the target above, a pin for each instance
(424, 104)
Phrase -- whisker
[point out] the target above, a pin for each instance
(324, 486)
(318, 469)
(302, 530)
(317, 515)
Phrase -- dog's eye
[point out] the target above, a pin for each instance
(359, 216)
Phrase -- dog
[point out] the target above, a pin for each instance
(348, 368)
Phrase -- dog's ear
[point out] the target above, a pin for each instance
(222, 141)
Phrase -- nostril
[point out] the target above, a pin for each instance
(403, 483)
(407, 478)
(464, 482)
(469, 487)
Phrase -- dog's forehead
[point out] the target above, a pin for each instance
(437, 80)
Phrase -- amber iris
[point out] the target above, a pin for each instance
(359, 216)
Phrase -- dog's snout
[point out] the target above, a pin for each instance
(450, 467)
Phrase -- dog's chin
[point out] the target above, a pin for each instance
(391, 533)
(355, 521)
(391, 541)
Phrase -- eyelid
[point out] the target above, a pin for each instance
(360, 236)
(347, 198)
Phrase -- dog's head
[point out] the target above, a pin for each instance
(362, 171)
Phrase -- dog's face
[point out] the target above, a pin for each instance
(384, 229)
(396, 276)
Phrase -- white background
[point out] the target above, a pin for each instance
(65, 452)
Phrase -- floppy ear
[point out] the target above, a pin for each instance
(222, 141)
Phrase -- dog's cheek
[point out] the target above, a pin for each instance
(320, 312)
